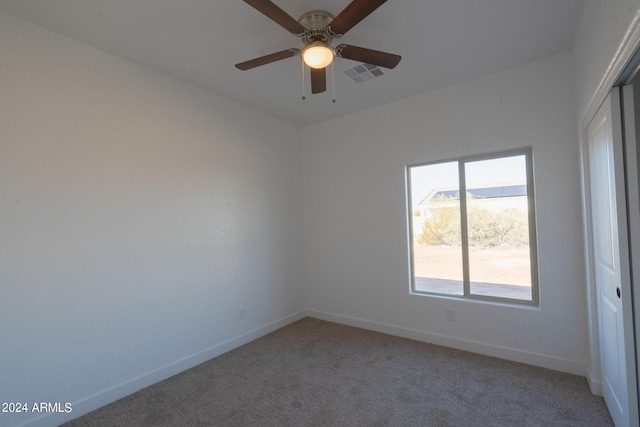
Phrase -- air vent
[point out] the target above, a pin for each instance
(363, 72)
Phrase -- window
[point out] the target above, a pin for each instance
(472, 228)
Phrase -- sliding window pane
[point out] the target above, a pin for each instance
(436, 234)
(498, 228)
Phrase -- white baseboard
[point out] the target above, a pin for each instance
(594, 384)
(104, 397)
(536, 359)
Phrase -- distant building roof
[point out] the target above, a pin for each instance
(480, 193)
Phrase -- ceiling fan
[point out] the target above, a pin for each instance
(317, 29)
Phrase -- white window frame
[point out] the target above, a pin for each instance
(533, 248)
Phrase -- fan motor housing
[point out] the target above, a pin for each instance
(316, 22)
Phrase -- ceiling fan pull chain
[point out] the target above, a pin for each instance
(302, 67)
(333, 85)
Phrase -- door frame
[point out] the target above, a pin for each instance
(631, 112)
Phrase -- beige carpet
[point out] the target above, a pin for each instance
(317, 373)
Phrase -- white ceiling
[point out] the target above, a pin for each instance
(441, 42)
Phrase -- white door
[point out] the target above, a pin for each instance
(609, 239)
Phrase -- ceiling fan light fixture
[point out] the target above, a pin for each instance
(318, 55)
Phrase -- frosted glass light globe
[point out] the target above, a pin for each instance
(317, 55)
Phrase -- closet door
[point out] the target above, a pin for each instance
(610, 250)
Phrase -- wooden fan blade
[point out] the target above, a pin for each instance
(267, 59)
(368, 56)
(352, 14)
(318, 80)
(279, 16)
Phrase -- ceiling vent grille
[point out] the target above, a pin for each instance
(364, 72)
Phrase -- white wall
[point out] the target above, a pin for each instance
(604, 25)
(137, 215)
(356, 255)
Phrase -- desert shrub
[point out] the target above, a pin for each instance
(486, 228)
(442, 227)
(502, 228)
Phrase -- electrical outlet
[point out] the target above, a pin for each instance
(451, 315)
(242, 313)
